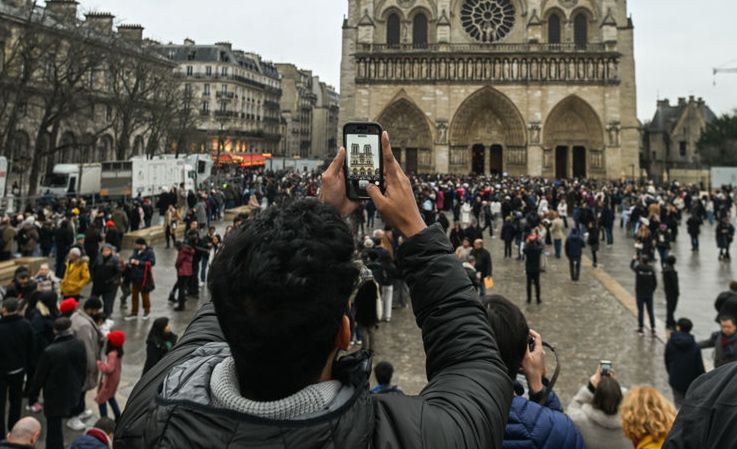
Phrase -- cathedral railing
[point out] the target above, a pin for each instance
(483, 48)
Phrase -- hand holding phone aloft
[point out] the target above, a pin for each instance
(397, 204)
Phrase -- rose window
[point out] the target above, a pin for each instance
(488, 20)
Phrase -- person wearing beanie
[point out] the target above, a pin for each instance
(141, 265)
(60, 373)
(76, 274)
(84, 327)
(68, 306)
(111, 369)
(112, 235)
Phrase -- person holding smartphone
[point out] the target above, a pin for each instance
(260, 367)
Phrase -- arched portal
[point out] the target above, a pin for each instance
(138, 146)
(410, 134)
(67, 148)
(574, 140)
(488, 121)
(105, 148)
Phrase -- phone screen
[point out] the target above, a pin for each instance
(363, 153)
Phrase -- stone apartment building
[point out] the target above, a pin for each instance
(236, 94)
(670, 140)
(297, 104)
(525, 87)
(38, 130)
(325, 136)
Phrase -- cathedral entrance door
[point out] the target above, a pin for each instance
(477, 163)
(579, 162)
(496, 165)
(411, 158)
(561, 162)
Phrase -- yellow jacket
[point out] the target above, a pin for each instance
(651, 443)
(76, 276)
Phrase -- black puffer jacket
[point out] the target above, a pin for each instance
(706, 419)
(465, 404)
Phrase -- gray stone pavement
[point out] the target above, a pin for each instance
(701, 277)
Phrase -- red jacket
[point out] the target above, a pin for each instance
(110, 378)
(184, 261)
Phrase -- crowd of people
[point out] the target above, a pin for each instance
(486, 368)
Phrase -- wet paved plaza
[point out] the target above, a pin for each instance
(583, 321)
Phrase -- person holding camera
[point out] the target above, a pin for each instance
(260, 366)
(537, 421)
(595, 411)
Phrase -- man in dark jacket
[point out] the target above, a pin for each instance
(256, 313)
(672, 290)
(574, 251)
(16, 352)
(724, 342)
(483, 263)
(141, 271)
(60, 373)
(645, 284)
(682, 360)
(106, 277)
(533, 253)
(693, 226)
(706, 419)
(537, 422)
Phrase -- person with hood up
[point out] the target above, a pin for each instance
(595, 412)
(159, 342)
(76, 274)
(683, 360)
(111, 369)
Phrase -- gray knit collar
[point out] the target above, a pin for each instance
(308, 401)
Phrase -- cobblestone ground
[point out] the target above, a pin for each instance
(583, 321)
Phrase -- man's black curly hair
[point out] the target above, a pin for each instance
(280, 287)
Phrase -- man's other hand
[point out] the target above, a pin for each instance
(397, 204)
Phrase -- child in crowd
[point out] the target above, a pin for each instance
(111, 370)
(384, 372)
(100, 436)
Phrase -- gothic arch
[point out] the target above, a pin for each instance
(573, 121)
(138, 146)
(486, 115)
(590, 6)
(105, 148)
(67, 148)
(411, 134)
(19, 145)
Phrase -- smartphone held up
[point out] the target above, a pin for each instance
(363, 162)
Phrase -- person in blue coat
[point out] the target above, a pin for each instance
(683, 360)
(538, 421)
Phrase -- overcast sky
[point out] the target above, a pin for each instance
(677, 42)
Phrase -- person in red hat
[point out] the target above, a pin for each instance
(68, 306)
(111, 370)
(112, 235)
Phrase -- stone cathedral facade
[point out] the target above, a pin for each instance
(524, 87)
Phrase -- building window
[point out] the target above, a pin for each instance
(683, 148)
(224, 71)
(581, 30)
(205, 106)
(208, 70)
(655, 155)
(190, 70)
(488, 20)
(392, 30)
(419, 31)
(206, 91)
(224, 88)
(222, 106)
(554, 29)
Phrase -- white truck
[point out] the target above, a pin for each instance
(202, 164)
(145, 177)
(73, 180)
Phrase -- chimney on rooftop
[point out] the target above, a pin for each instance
(681, 101)
(101, 22)
(665, 103)
(224, 44)
(188, 42)
(65, 9)
(131, 33)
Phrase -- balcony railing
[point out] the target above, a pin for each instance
(482, 48)
(204, 113)
(225, 95)
(226, 114)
